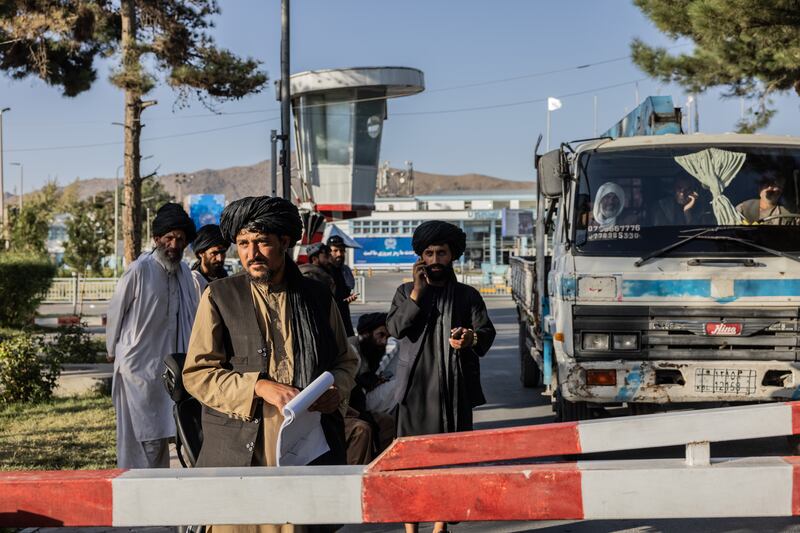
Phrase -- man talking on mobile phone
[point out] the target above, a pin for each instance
(443, 328)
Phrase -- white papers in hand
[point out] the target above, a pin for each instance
(301, 439)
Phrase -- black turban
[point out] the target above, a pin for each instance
(316, 249)
(264, 214)
(369, 322)
(208, 236)
(171, 216)
(438, 232)
(336, 240)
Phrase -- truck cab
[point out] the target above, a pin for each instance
(667, 272)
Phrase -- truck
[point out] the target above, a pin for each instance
(666, 269)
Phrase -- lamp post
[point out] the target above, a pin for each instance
(3, 221)
(21, 167)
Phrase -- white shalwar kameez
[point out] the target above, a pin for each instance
(150, 316)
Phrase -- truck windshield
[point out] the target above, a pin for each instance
(633, 201)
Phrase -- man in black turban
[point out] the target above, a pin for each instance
(210, 248)
(443, 328)
(170, 217)
(261, 336)
(149, 317)
(343, 278)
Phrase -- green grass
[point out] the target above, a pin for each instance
(62, 434)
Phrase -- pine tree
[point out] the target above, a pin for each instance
(750, 47)
(151, 42)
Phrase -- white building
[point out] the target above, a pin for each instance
(497, 223)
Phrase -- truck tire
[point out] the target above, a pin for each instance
(529, 373)
(567, 411)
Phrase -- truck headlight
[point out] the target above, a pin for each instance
(626, 341)
(595, 341)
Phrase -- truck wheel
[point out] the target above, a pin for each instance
(529, 373)
(567, 411)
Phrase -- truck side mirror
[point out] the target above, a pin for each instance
(552, 171)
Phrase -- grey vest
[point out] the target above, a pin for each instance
(230, 441)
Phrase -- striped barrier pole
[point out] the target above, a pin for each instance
(406, 483)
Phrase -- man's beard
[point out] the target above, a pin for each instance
(215, 271)
(441, 274)
(163, 259)
(372, 352)
(263, 278)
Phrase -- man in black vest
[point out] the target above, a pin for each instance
(259, 337)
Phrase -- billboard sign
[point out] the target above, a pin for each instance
(206, 208)
(517, 222)
(384, 250)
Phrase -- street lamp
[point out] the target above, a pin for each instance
(21, 167)
(3, 220)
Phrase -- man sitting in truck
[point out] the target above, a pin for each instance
(683, 207)
(767, 206)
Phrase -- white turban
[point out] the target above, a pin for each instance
(608, 218)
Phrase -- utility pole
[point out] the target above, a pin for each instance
(285, 103)
(273, 162)
(3, 218)
(20, 165)
(180, 180)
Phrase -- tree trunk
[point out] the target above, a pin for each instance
(132, 211)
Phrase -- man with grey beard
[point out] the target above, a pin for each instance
(150, 316)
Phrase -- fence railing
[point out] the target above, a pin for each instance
(76, 289)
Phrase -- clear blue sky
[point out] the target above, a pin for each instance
(455, 43)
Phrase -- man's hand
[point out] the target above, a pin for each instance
(352, 298)
(328, 402)
(109, 358)
(420, 279)
(275, 393)
(461, 338)
(693, 196)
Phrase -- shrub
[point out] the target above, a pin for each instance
(72, 344)
(23, 282)
(24, 376)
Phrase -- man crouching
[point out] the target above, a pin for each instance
(258, 338)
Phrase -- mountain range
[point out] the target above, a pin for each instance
(253, 180)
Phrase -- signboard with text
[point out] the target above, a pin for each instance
(384, 250)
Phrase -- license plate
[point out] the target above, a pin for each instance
(733, 381)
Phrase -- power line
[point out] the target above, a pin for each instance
(427, 91)
(519, 103)
(407, 113)
(145, 139)
(543, 73)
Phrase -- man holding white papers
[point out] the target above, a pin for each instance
(259, 338)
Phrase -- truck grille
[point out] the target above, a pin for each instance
(695, 333)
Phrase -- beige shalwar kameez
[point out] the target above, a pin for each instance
(233, 392)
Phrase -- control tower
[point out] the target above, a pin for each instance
(339, 116)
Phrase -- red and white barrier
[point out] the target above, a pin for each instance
(407, 484)
(592, 436)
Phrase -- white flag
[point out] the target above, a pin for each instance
(553, 103)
